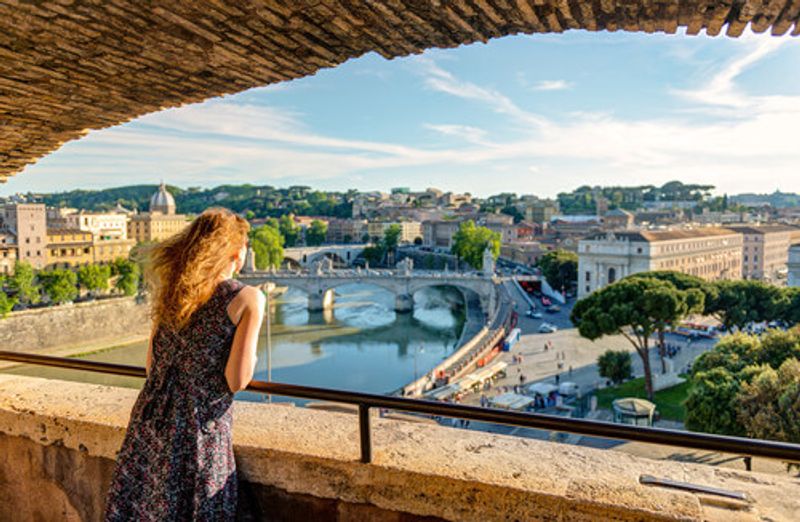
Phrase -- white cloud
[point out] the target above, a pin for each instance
(721, 89)
(552, 85)
(747, 138)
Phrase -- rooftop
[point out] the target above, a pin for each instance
(654, 236)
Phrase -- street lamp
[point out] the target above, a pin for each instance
(268, 291)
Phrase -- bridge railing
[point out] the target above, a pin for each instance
(366, 401)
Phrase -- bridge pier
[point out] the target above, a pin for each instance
(403, 303)
(320, 301)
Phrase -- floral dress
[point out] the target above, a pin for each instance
(176, 462)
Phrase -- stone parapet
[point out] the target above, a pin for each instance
(58, 439)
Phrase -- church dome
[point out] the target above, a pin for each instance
(162, 201)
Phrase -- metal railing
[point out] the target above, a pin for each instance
(365, 401)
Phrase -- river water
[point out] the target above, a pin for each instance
(360, 345)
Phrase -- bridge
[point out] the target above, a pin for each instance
(320, 283)
(341, 255)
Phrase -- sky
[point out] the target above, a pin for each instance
(537, 114)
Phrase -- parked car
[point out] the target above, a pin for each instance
(553, 309)
(533, 314)
(547, 328)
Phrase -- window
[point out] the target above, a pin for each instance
(588, 276)
(639, 250)
(588, 290)
(612, 275)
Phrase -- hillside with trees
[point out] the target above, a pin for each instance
(254, 201)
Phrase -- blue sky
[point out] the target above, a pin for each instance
(530, 114)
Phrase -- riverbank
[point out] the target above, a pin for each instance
(68, 330)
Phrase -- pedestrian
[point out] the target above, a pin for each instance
(176, 461)
(521, 380)
(570, 371)
(545, 346)
(558, 378)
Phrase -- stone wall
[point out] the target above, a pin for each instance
(90, 324)
(58, 441)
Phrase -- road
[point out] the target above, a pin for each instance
(572, 357)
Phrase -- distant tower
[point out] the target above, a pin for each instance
(162, 201)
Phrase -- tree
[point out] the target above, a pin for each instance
(365, 238)
(267, 244)
(6, 304)
(470, 242)
(391, 237)
(615, 365)
(60, 285)
(23, 282)
(738, 303)
(373, 254)
(128, 276)
(560, 268)
(710, 405)
(695, 298)
(768, 406)
(737, 388)
(634, 308)
(94, 277)
(316, 233)
(289, 229)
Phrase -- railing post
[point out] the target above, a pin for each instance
(364, 429)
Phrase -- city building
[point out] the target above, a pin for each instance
(160, 222)
(709, 253)
(502, 224)
(766, 251)
(410, 230)
(341, 231)
(540, 210)
(8, 252)
(28, 223)
(438, 233)
(793, 266)
(523, 252)
(106, 225)
(67, 248)
(618, 219)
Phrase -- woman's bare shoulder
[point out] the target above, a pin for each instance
(250, 296)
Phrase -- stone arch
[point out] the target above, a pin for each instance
(192, 51)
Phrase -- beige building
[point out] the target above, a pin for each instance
(160, 222)
(28, 223)
(766, 251)
(107, 250)
(439, 233)
(67, 248)
(708, 253)
(523, 252)
(106, 225)
(8, 252)
(342, 231)
(410, 230)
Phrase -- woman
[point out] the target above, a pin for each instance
(176, 461)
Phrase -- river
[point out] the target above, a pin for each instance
(360, 345)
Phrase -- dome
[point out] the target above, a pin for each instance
(162, 201)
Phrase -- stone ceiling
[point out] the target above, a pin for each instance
(69, 66)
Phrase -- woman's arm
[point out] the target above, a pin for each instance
(246, 310)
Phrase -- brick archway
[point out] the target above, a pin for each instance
(69, 66)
